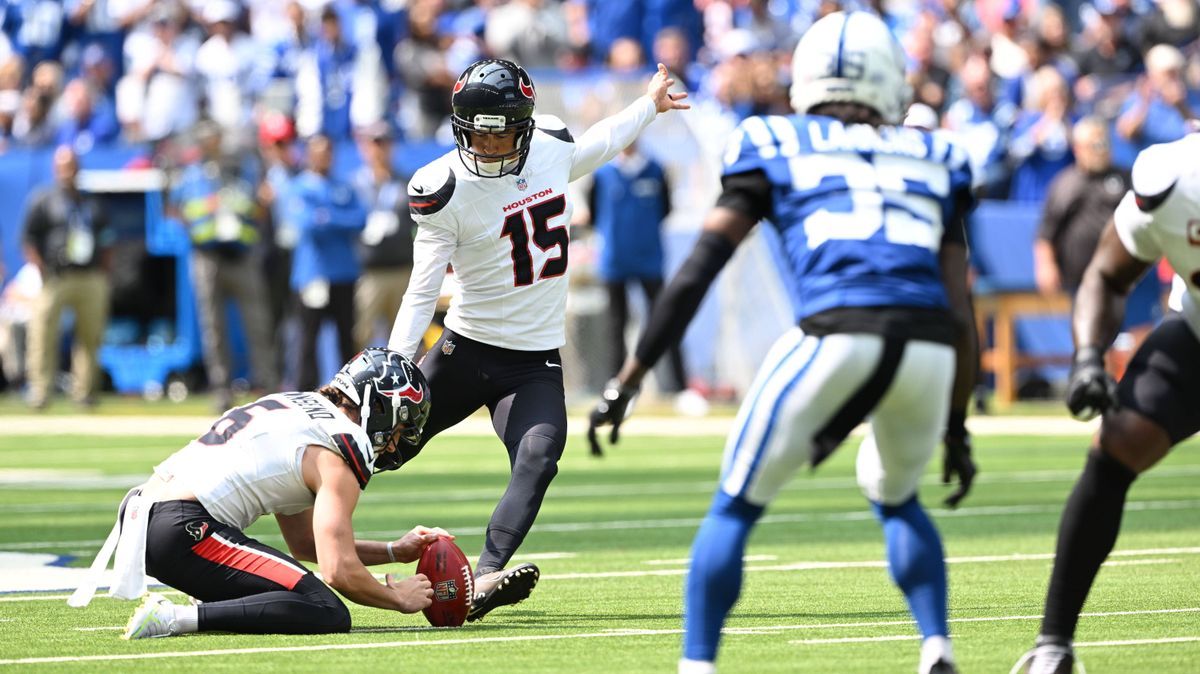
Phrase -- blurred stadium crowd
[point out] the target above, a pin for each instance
(247, 86)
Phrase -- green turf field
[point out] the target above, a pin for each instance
(612, 541)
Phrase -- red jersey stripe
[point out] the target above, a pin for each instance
(255, 562)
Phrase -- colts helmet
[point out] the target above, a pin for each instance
(850, 57)
(393, 400)
(490, 97)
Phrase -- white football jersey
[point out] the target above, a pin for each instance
(505, 237)
(1160, 216)
(249, 464)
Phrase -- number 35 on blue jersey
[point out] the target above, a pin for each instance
(862, 211)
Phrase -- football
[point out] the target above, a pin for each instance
(445, 565)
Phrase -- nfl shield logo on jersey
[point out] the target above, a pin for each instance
(522, 184)
(448, 347)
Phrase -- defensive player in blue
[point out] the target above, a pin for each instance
(872, 219)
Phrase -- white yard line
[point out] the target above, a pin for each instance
(1136, 642)
(618, 633)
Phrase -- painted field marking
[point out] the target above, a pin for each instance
(591, 635)
(856, 640)
(811, 566)
(1136, 642)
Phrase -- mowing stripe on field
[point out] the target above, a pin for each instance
(617, 633)
(800, 566)
(692, 522)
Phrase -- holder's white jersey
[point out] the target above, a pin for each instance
(249, 464)
(505, 237)
(1160, 216)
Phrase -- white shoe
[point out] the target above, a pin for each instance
(154, 618)
(1048, 658)
(696, 667)
(689, 403)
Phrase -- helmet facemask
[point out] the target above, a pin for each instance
(493, 97)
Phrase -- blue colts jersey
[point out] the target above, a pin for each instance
(861, 211)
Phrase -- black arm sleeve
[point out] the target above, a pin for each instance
(677, 303)
(956, 228)
(747, 193)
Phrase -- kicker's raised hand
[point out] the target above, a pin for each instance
(658, 92)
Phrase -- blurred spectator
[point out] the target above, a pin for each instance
(983, 125)
(625, 56)
(276, 137)
(292, 41)
(1041, 144)
(156, 97)
(32, 126)
(96, 68)
(529, 32)
(629, 200)
(1107, 49)
(67, 240)
(768, 31)
(214, 199)
(229, 65)
(660, 14)
(1008, 58)
(37, 29)
(85, 122)
(386, 243)
(608, 20)
(928, 78)
(672, 49)
(1157, 110)
(47, 77)
(1079, 204)
(100, 37)
(1172, 22)
(422, 65)
(328, 217)
(325, 82)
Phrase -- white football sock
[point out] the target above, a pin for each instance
(186, 619)
(933, 649)
(696, 667)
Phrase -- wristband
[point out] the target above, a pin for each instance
(391, 554)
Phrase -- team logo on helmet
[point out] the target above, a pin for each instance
(525, 86)
(462, 81)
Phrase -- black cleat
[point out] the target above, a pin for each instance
(943, 667)
(501, 588)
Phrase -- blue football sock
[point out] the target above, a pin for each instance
(715, 577)
(917, 564)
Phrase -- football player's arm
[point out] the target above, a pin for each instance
(336, 496)
(432, 249)
(297, 532)
(1100, 303)
(745, 200)
(609, 136)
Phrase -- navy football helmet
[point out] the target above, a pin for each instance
(393, 399)
(493, 96)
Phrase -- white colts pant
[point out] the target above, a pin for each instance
(813, 390)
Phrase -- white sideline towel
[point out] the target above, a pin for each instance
(128, 540)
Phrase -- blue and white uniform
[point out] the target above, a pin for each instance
(862, 213)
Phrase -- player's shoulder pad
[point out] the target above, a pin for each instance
(554, 127)
(431, 188)
(356, 456)
(749, 144)
(1155, 173)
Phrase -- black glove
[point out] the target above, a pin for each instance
(957, 458)
(616, 403)
(1091, 391)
